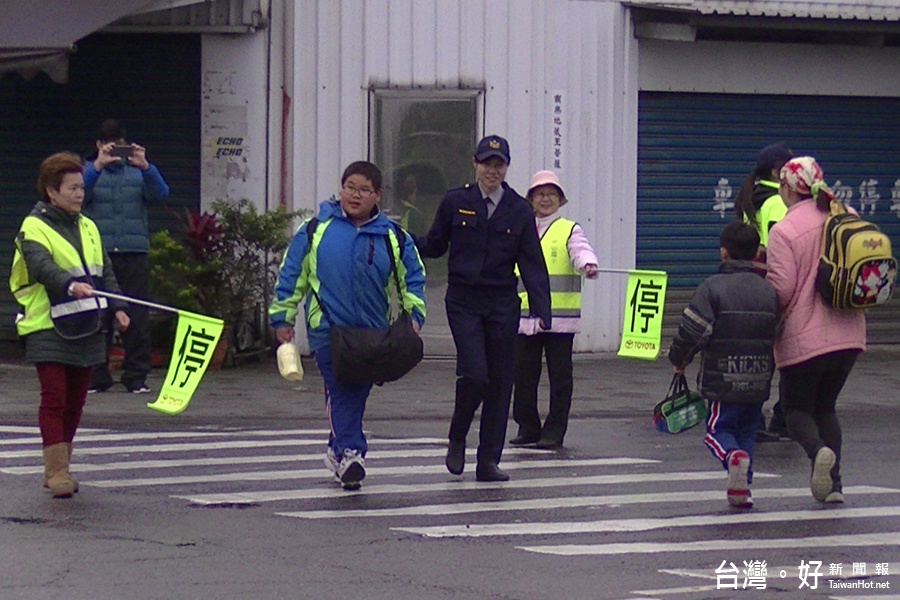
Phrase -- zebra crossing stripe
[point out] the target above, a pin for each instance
(318, 474)
(32, 430)
(562, 502)
(635, 525)
(824, 541)
(130, 465)
(100, 436)
(191, 447)
(456, 486)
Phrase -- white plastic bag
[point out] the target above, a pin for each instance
(289, 362)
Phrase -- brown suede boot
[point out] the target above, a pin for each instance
(56, 470)
(72, 477)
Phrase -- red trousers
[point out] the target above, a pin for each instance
(63, 392)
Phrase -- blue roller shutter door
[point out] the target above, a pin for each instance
(694, 151)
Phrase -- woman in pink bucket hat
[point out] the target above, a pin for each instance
(569, 257)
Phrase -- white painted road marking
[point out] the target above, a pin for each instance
(824, 541)
(129, 465)
(563, 502)
(551, 482)
(632, 525)
(88, 436)
(323, 473)
(233, 445)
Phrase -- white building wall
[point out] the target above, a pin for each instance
(747, 68)
(521, 53)
(233, 122)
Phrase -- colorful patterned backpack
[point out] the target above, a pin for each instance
(857, 268)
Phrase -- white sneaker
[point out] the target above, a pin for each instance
(820, 483)
(352, 469)
(835, 498)
(738, 489)
(332, 463)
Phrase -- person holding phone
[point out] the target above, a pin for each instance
(119, 183)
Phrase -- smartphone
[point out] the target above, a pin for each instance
(122, 152)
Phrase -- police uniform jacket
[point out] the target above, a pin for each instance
(484, 252)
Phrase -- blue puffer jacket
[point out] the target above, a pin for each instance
(116, 200)
(350, 271)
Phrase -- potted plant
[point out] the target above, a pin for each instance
(223, 264)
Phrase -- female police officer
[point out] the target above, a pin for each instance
(489, 228)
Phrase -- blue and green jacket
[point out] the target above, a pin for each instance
(349, 269)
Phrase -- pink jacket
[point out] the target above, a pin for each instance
(581, 254)
(811, 328)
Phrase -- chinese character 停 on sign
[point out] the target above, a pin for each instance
(193, 352)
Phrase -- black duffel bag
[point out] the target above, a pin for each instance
(363, 355)
(367, 355)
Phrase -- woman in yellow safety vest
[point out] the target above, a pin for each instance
(58, 262)
(568, 256)
(759, 204)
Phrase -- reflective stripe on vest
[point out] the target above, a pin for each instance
(71, 318)
(76, 306)
(565, 281)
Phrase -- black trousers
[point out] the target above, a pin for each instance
(484, 325)
(809, 395)
(132, 270)
(529, 350)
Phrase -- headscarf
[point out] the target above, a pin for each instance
(804, 176)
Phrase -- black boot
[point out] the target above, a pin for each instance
(525, 438)
(490, 472)
(456, 457)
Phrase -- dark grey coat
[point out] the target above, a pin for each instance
(47, 345)
(731, 321)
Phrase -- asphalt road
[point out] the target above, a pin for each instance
(231, 500)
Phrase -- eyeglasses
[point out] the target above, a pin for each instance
(362, 193)
(548, 195)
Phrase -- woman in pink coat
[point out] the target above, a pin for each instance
(818, 344)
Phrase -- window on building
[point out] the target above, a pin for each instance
(423, 144)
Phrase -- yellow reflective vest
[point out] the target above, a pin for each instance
(770, 212)
(565, 281)
(71, 318)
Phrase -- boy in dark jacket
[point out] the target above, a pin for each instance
(731, 321)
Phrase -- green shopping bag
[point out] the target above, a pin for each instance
(681, 409)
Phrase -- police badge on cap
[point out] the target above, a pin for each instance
(492, 145)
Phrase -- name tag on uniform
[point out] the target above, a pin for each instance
(462, 211)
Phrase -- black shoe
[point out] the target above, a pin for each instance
(490, 472)
(778, 430)
(523, 439)
(98, 389)
(456, 457)
(763, 435)
(548, 444)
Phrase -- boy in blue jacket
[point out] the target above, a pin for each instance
(731, 321)
(346, 267)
